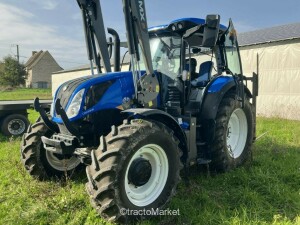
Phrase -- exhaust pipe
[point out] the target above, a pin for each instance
(116, 44)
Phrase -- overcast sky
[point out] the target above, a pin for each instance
(56, 26)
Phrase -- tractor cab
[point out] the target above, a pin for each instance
(187, 55)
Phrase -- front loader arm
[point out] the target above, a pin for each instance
(147, 86)
(94, 28)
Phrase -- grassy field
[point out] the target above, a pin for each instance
(25, 94)
(264, 191)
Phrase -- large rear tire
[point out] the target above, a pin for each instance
(136, 167)
(233, 139)
(40, 163)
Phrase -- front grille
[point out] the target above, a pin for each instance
(174, 94)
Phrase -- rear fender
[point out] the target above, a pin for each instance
(215, 92)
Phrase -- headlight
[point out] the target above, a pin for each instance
(74, 107)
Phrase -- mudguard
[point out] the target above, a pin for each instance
(215, 92)
(213, 96)
(165, 118)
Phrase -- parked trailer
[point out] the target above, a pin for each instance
(14, 116)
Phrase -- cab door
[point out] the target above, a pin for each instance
(231, 51)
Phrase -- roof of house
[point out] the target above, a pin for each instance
(272, 34)
(36, 57)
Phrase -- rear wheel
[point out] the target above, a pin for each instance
(136, 167)
(233, 135)
(40, 163)
(14, 125)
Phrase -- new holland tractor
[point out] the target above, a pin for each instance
(136, 130)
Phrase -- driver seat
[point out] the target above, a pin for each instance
(193, 66)
(204, 74)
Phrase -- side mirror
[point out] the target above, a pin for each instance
(211, 31)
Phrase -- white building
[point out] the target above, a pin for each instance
(278, 50)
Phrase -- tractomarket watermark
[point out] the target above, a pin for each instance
(150, 212)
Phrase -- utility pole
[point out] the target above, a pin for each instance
(18, 55)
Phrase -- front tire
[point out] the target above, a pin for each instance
(40, 163)
(233, 139)
(136, 167)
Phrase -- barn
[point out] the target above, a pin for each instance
(278, 52)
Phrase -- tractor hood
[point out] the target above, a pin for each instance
(85, 95)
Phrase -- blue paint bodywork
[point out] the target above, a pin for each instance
(218, 83)
(121, 88)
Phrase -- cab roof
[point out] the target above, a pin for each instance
(182, 25)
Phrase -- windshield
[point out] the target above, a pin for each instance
(165, 52)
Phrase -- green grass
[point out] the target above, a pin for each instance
(264, 191)
(25, 94)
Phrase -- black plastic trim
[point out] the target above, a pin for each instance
(61, 112)
(52, 126)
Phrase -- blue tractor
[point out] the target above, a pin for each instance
(136, 130)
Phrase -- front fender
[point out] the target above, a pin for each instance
(166, 119)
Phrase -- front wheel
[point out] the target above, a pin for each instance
(41, 163)
(136, 167)
(231, 146)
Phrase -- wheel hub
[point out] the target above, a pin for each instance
(62, 162)
(16, 126)
(146, 175)
(139, 172)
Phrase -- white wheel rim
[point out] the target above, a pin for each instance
(237, 132)
(62, 164)
(149, 192)
(16, 126)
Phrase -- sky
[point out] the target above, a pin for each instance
(56, 25)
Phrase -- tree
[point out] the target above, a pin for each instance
(12, 73)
